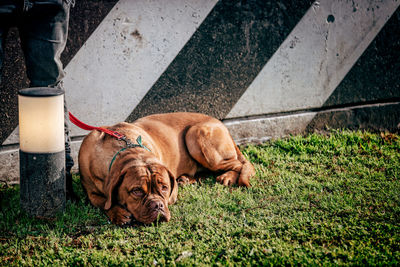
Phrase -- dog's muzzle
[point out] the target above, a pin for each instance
(157, 211)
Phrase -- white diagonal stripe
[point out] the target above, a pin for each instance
(315, 57)
(125, 56)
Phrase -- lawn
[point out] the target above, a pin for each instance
(316, 199)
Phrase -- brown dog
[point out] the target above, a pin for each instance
(141, 183)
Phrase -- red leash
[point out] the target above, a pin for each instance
(115, 134)
(84, 126)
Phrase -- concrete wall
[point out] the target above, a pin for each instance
(266, 68)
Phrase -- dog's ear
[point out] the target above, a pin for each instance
(113, 179)
(173, 196)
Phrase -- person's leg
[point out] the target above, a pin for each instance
(43, 32)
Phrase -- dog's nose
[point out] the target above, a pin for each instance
(157, 205)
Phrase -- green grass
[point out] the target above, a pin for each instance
(320, 199)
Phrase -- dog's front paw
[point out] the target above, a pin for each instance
(184, 180)
(228, 178)
(119, 216)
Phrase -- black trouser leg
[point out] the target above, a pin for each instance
(44, 30)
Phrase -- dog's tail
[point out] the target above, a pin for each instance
(247, 169)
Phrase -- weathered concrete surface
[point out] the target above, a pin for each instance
(13, 79)
(9, 170)
(375, 76)
(379, 117)
(126, 54)
(316, 56)
(222, 58)
(84, 19)
(260, 129)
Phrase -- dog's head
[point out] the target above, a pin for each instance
(142, 184)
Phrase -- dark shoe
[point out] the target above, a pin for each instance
(69, 163)
(70, 191)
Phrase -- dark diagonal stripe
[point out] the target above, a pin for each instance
(376, 74)
(85, 17)
(222, 58)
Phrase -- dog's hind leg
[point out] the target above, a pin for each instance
(210, 144)
(247, 171)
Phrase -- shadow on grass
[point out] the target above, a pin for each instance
(78, 218)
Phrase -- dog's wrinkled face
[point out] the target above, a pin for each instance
(145, 191)
(141, 184)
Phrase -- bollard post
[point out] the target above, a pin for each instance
(42, 151)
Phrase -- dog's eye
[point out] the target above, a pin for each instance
(137, 191)
(164, 188)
